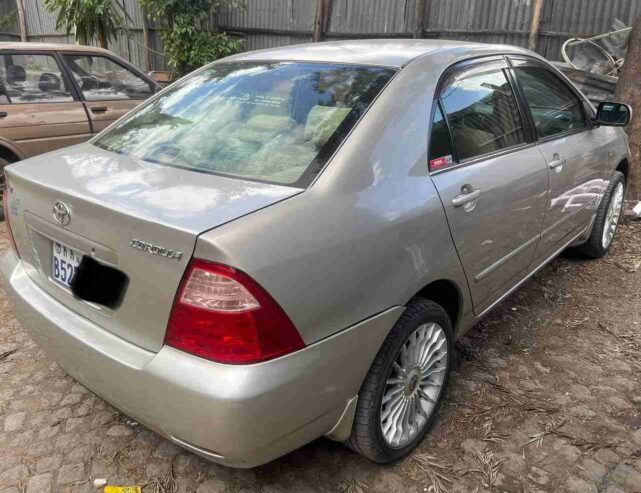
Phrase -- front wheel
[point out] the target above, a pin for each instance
(607, 219)
(404, 387)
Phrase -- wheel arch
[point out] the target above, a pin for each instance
(447, 294)
(9, 152)
(624, 167)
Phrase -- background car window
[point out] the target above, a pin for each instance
(264, 121)
(440, 147)
(554, 106)
(102, 79)
(483, 114)
(28, 78)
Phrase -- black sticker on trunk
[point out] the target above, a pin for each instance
(98, 283)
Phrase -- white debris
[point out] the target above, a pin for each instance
(99, 483)
(637, 210)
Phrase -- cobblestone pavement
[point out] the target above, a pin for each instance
(545, 397)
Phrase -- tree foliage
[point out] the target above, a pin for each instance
(189, 38)
(87, 19)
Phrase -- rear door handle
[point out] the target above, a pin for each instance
(3, 114)
(557, 163)
(467, 197)
(99, 109)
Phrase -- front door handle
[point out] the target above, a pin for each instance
(466, 197)
(3, 114)
(99, 109)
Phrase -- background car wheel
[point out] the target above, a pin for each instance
(607, 219)
(3, 163)
(399, 399)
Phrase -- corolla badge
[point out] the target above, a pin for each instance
(155, 249)
(61, 212)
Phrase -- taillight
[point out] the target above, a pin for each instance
(7, 222)
(223, 315)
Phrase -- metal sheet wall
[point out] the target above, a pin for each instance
(269, 23)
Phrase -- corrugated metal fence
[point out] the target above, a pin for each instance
(269, 23)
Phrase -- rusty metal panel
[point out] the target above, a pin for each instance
(565, 18)
(371, 17)
(294, 15)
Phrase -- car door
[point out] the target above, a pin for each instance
(576, 153)
(491, 178)
(39, 110)
(108, 87)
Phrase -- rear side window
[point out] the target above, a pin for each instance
(102, 79)
(482, 113)
(440, 146)
(31, 78)
(554, 106)
(274, 122)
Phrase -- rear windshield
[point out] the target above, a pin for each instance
(271, 122)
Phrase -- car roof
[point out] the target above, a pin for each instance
(17, 46)
(387, 52)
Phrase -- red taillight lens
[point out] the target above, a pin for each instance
(7, 222)
(223, 315)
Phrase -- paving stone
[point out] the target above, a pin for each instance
(606, 457)
(591, 470)
(620, 403)
(15, 475)
(72, 399)
(626, 476)
(49, 464)
(14, 422)
(71, 473)
(166, 450)
(40, 483)
(119, 431)
(578, 485)
(539, 476)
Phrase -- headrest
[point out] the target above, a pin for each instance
(49, 82)
(15, 73)
(323, 121)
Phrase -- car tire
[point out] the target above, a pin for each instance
(606, 221)
(422, 323)
(3, 163)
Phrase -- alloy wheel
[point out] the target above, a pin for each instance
(414, 385)
(612, 217)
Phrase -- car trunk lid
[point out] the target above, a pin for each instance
(141, 218)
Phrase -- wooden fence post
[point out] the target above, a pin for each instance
(629, 91)
(535, 27)
(419, 18)
(319, 22)
(146, 38)
(21, 22)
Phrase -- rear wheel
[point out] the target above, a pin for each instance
(607, 219)
(3, 163)
(401, 394)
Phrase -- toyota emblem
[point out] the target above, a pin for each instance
(61, 213)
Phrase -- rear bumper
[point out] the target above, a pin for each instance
(240, 416)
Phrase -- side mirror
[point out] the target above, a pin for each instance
(613, 114)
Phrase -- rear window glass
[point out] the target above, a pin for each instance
(32, 78)
(272, 122)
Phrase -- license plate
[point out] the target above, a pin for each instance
(65, 263)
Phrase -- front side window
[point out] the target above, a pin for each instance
(554, 106)
(102, 79)
(482, 113)
(273, 122)
(31, 78)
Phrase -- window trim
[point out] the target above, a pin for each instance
(470, 65)
(61, 66)
(559, 76)
(62, 53)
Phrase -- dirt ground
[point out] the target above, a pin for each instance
(545, 397)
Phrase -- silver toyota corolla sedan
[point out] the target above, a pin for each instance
(285, 244)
